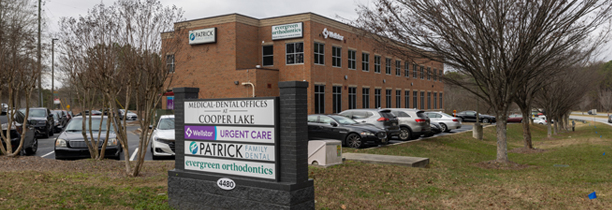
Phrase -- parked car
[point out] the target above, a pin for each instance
(517, 118)
(61, 116)
(42, 120)
(71, 145)
(30, 142)
(541, 120)
(470, 116)
(130, 115)
(93, 113)
(57, 125)
(435, 129)
(162, 138)
(382, 118)
(413, 123)
(445, 121)
(350, 132)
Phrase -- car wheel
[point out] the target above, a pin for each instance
(485, 120)
(32, 149)
(354, 141)
(404, 134)
(443, 127)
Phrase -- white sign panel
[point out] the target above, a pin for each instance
(232, 167)
(202, 36)
(226, 183)
(230, 150)
(230, 112)
(287, 31)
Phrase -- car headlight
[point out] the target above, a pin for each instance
(365, 133)
(60, 143)
(112, 142)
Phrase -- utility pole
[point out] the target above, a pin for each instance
(53, 72)
(40, 97)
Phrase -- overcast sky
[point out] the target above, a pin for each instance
(195, 9)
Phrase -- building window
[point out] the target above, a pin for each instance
(440, 77)
(319, 53)
(366, 98)
(319, 99)
(428, 100)
(376, 64)
(414, 99)
(428, 73)
(398, 99)
(337, 100)
(388, 66)
(388, 98)
(352, 58)
(440, 101)
(435, 75)
(435, 97)
(414, 71)
(422, 72)
(352, 91)
(170, 63)
(336, 56)
(268, 55)
(422, 100)
(407, 99)
(377, 98)
(295, 53)
(365, 62)
(398, 68)
(406, 70)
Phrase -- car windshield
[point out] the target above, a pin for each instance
(35, 112)
(343, 120)
(166, 124)
(76, 124)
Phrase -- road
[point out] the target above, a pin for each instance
(590, 119)
(45, 146)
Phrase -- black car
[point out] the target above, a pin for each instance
(42, 120)
(30, 143)
(470, 116)
(435, 129)
(71, 145)
(350, 132)
(62, 116)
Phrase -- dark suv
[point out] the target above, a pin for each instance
(42, 120)
(30, 143)
(382, 118)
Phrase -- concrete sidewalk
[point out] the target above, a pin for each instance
(387, 159)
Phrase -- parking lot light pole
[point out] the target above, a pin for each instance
(52, 72)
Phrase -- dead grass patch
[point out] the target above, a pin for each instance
(524, 150)
(492, 164)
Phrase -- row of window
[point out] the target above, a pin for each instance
(319, 101)
(295, 55)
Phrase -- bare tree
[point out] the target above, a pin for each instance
(18, 72)
(499, 43)
(122, 54)
(605, 98)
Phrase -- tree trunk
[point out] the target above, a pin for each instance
(502, 144)
(526, 129)
(549, 134)
(556, 119)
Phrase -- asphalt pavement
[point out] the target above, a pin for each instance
(464, 127)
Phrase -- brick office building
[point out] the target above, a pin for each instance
(236, 56)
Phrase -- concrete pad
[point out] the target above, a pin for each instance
(388, 159)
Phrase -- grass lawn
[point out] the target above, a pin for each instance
(455, 180)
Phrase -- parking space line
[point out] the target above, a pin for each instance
(47, 154)
(134, 154)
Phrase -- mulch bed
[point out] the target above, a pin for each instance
(523, 150)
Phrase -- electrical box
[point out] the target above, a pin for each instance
(324, 152)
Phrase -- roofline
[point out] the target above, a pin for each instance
(267, 18)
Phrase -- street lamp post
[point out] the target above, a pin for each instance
(53, 72)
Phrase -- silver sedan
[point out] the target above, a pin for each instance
(445, 121)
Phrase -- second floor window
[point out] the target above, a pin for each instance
(414, 71)
(319, 53)
(295, 53)
(388, 66)
(352, 59)
(365, 62)
(336, 57)
(268, 55)
(398, 68)
(376, 64)
(170, 63)
(406, 70)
